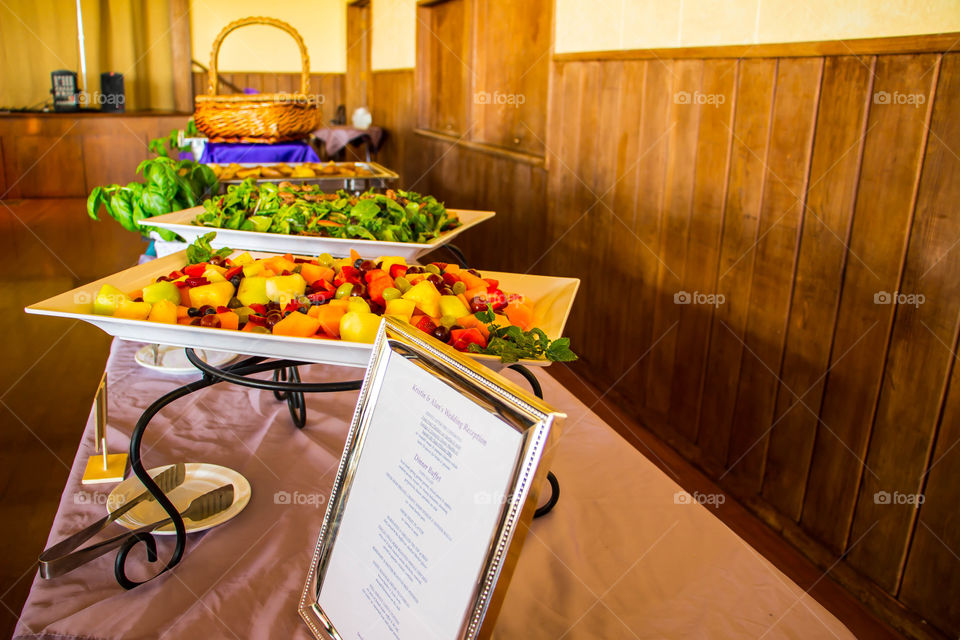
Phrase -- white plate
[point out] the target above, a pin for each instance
(201, 477)
(179, 221)
(552, 298)
(173, 360)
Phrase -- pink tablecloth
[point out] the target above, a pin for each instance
(619, 557)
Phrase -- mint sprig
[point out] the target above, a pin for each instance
(201, 251)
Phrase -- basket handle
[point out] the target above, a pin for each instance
(271, 22)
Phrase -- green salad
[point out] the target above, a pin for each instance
(285, 208)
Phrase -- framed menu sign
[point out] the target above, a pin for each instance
(437, 485)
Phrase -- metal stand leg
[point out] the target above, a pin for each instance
(292, 391)
(457, 255)
(548, 506)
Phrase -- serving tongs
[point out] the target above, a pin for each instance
(168, 480)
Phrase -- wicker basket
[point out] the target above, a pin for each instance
(262, 117)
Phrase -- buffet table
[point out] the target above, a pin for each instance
(618, 557)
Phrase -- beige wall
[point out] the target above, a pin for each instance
(639, 24)
(321, 23)
(394, 27)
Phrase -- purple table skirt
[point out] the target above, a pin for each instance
(228, 152)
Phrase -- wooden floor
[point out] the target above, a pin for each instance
(51, 368)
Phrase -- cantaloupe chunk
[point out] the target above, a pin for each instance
(163, 311)
(520, 314)
(471, 322)
(296, 325)
(313, 272)
(229, 320)
(329, 318)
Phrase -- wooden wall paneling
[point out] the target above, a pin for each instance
(924, 43)
(751, 133)
(113, 158)
(358, 82)
(46, 166)
(837, 153)
(512, 73)
(620, 239)
(181, 55)
(573, 233)
(923, 339)
(597, 166)
(884, 208)
(933, 568)
(781, 219)
(711, 166)
(653, 144)
(567, 192)
(684, 119)
(3, 171)
(443, 54)
(393, 109)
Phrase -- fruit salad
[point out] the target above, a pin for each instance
(339, 299)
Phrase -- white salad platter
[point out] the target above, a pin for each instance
(181, 223)
(552, 299)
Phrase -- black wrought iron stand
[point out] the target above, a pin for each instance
(286, 385)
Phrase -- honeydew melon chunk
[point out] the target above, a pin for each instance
(253, 290)
(453, 306)
(163, 290)
(108, 299)
(283, 289)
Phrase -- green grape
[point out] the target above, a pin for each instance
(402, 284)
(459, 287)
(344, 290)
(391, 293)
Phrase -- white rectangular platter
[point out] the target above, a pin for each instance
(552, 299)
(180, 223)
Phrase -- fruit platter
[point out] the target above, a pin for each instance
(323, 309)
(303, 219)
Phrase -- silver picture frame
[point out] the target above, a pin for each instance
(508, 407)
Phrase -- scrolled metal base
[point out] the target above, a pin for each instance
(285, 384)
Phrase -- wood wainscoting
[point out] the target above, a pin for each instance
(768, 248)
(64, 155)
